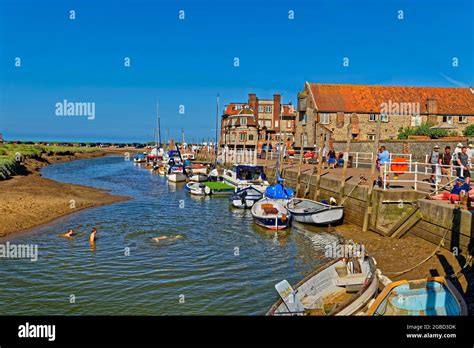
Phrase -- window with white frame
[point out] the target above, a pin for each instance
(238, 107)
(415, 120)
(268, 123)
(260, 108)
(243, 136)
(233, 121)
(324, 118)
(370, 136)
(260, 123)
(243, 121)
(250, 137)
(372, 117)
(268, 109)
(448, 119)
(384, 117)
(276, 124)
(289, 124)
(462, 119)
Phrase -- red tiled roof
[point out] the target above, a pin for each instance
(231, 110)
(288, 110)
(367, 99)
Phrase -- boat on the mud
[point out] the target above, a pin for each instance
(244, 175)
(435, 296)
(271, 214)
(311, 212)
(338, 288)
(246, 197)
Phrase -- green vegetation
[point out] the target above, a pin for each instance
(469, 131)
(10, 153)
(423, 130)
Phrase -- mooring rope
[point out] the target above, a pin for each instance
(422, 262)
(361, 178)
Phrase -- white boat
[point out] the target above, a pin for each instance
(316, 213)
(246, 197)
(338, 288)
(245, 175)
(198, 177)
(271, 214)
(176, 177)
(198, 189)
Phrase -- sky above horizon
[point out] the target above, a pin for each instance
(188, 62)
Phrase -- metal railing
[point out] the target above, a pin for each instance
(419, 172)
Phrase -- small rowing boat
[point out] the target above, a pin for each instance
(246, 197)
(271, 214)
(198, 189)
(339, 288)
(176, 174)
(198, 177)
(311, 212)
(426, 297)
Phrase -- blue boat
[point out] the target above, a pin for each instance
(435, 296)
(271, 214)
(279, 191)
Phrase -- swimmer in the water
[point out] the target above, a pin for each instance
(157, 239)
(93, 237)
(69, 234)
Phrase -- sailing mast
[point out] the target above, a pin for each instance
(158, 126)
(217, 127)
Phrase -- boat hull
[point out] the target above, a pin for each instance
(271, 214)
(315, 213)
(176, 177)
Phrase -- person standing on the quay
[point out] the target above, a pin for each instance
(470, 152)
(434, 161)
(463, 162)
(446, 162)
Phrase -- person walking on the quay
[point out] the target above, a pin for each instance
(470, 152)
(446, 162)
(383, 157)
(463, 162)
(434, 161)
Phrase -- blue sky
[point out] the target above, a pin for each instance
(187, 62)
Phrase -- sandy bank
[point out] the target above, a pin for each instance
(30, 200)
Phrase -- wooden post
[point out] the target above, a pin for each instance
(368, 204)
(344, 169)
(243, 149)
(266, 150)
(320, 165)
(298, 178)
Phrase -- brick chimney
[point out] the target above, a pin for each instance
(432, 110)
(276, 111)
(252, 100)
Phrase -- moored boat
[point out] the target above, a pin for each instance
(197, 177)
(271, 214)
(311, 212)
(244, 175)
(198, 189)
(139, 158)
(176, 174)
(435, 296)
(279, 192)
(246, 197)
(338, 288)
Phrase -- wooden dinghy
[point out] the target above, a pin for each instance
(339, 288)
(198, 177)
(271, 214)
(311, 212)
(435, 296)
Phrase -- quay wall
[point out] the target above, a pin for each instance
(389, 208)
(419, 149)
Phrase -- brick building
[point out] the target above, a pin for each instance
(332, 107)
(253, 122)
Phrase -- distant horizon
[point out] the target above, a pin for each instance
(123, 58)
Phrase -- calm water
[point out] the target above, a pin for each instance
(202, 268)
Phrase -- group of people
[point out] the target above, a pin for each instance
(92, 237)
(443, 163)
